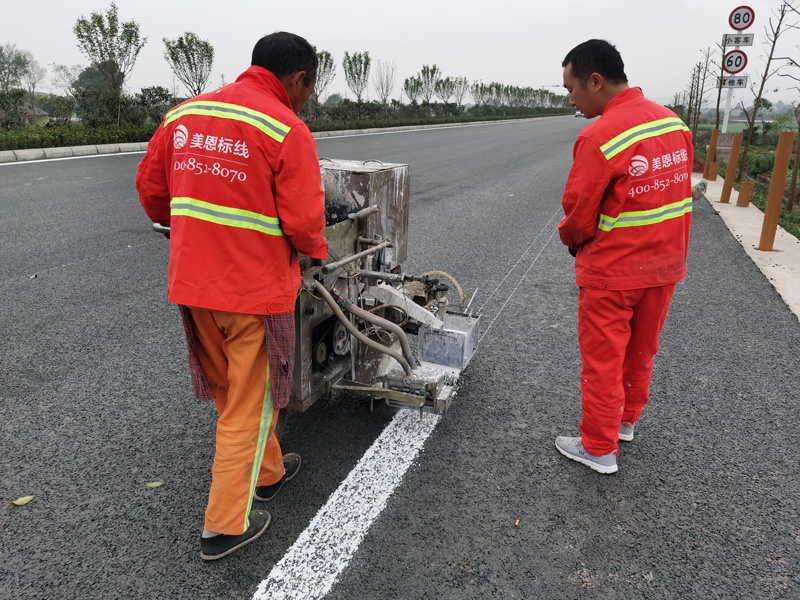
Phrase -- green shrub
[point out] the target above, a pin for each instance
(75, 135)
(759, 161)
(81, 135)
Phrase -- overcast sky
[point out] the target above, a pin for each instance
(516, 43)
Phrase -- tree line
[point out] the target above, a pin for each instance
(96, 92)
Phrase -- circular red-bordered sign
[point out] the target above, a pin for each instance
(734, 62)
(741, 18)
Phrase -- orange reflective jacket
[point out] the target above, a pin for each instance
(628, 199)
(235, 174)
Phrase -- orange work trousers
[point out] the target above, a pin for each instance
(618, 332)
(232, 351)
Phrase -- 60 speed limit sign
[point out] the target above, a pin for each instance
(741, 18)
(734, 62)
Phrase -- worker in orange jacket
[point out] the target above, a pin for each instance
(235, 175)
(627, 212)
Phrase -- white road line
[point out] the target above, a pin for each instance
(48, 160)
(312, 565)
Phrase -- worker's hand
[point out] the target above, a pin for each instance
(573, 252)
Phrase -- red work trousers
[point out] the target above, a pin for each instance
(618, 332)
(232, 351)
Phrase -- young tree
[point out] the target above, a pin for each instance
(445, 88)
(479, 93)
(412, 87)
(12, 67)
(32, 76)
(383, 80)
(772, 35)
(793, 182)
(702, 75)
(65, 77)
(111, 46)
(723, 50)
(356, 72)
(428, 76)
(191, 59)
(326, 71)
(461, 87)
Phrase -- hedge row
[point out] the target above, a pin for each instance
(79, 135)
(381, 123)
(73, 135)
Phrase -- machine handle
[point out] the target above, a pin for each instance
(364, 212)
(163, 229)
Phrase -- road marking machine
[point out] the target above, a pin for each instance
(357, 312)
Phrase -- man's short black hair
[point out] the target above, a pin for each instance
(284, 53)
(596, 56)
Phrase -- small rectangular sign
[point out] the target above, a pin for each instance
(733, 81)
(737, 39)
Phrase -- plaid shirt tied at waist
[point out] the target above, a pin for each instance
(280, 339)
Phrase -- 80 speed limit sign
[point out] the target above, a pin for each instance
(741, 18)
(734, 62)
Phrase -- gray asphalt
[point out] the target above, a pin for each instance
(95, 402)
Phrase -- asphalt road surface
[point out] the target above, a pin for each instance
(95, 402)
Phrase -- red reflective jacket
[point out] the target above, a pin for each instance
(628, 199)
(235, 174)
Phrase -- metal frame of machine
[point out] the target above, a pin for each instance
(356, 310)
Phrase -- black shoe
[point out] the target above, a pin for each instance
(291, 465)
(221, 545)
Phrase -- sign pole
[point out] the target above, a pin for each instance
(740, 19)
(727, 110)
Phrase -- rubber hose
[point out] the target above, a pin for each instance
(352, 328)
(388, 325)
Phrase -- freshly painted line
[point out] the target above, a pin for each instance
(311, 566)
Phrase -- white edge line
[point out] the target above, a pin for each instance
(311, 566)
(48, 160)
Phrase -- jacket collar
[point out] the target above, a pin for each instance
(266, 80)
(631, 93)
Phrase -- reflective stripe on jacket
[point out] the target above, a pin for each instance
(235, 174)
(628, 199)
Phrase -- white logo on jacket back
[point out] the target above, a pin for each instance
(180, 137)
(639, 165)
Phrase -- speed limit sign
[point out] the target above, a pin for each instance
(741, 18)
(734, 61)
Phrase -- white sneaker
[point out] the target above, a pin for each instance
(626, 431)
(572, 448)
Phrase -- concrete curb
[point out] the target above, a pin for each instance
(8, 156)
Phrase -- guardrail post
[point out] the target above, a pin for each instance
(730, 173)
(745, 192)
(712, 150)
(776, 189)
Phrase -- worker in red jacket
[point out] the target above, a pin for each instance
(235, 175)
(627, 212)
